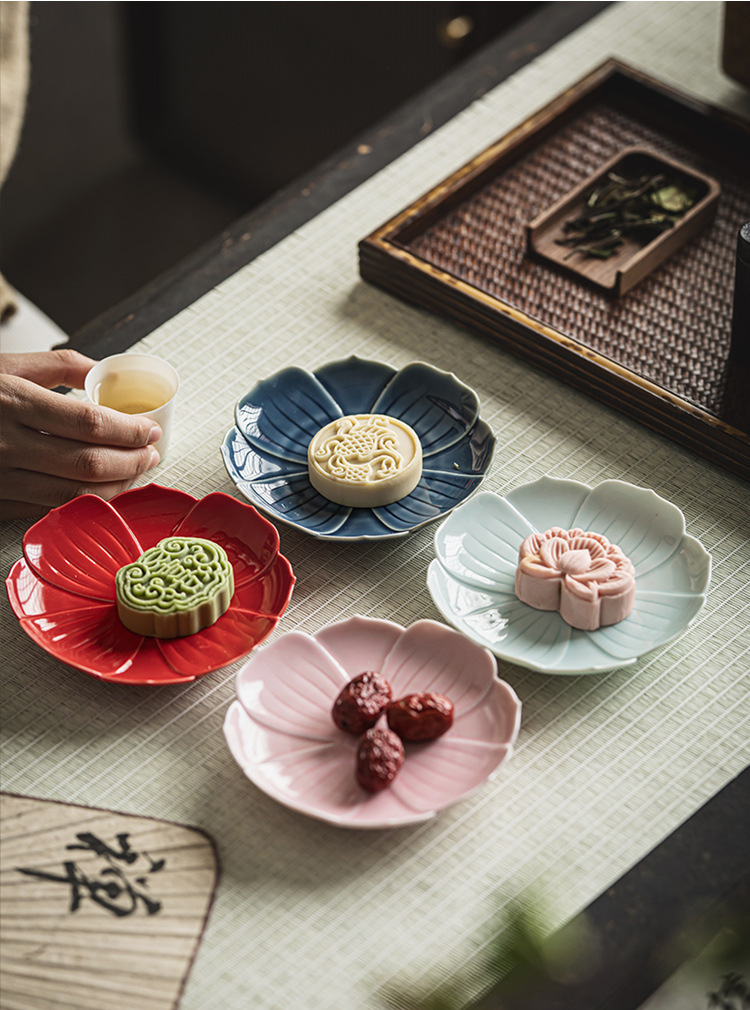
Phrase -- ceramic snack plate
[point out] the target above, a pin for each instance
(63, 588)
(281, 731)
(265, 453)
(472, 578)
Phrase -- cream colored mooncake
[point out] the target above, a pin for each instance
(365, 460)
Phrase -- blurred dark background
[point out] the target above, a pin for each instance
(152, 126)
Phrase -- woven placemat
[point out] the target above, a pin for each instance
(674, 328)
(307, 915)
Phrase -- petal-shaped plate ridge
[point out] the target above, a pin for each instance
(94, 635)
(310, 776)
(152, 512)
(447, 771)
(688, 567)
(265, 453)
(252, 545)
(471, 455)
(472, 579)
(281, 414)
(248, 463)
(294, 501)
(501, 623)
(80, 546)
(30, 596)
(548, 496)
(429, 656)
(268, 596)
(647, 528)
(355, 383)
(478, 543)
(65, 599)
(281, 731)
(235, 633)
(291, 686)
(436, 494)
(440, 408)
(359, 644)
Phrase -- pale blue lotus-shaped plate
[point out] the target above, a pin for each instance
(472, 578)
(265, 452)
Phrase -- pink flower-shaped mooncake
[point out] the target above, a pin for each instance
(584, 576)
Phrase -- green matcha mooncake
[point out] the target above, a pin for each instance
(180, 586)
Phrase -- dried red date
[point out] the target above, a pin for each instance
(420, 716)
(360, 704)
(379, 757)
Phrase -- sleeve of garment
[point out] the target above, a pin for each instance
(14, 83)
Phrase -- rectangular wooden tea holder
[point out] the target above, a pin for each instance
(633, 260)
(659, 351)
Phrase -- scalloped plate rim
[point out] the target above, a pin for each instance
(234, 430)
(357, 823)
(146, 678)
(607, 666)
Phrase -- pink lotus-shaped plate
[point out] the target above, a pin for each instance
(63, 588)
(282, 735)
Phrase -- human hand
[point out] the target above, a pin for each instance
(53, 447)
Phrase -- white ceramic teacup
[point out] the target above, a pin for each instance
(136, 384)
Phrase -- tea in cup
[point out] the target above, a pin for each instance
(136, 384)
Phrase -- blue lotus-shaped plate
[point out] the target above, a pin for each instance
(472, 578)
(265, 452)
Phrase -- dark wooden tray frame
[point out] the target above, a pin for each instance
(387, 261)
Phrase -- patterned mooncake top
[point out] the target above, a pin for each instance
(176, 588)
(365, 460)
(588, 579)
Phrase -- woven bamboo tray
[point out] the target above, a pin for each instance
(659, 353)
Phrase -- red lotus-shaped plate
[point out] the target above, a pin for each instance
(63, 588)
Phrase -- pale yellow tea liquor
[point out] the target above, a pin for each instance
(136, 383)
(133, 392)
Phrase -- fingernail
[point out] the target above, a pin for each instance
(154, 435)
(154, 459)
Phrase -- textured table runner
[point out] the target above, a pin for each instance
(318, 918)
